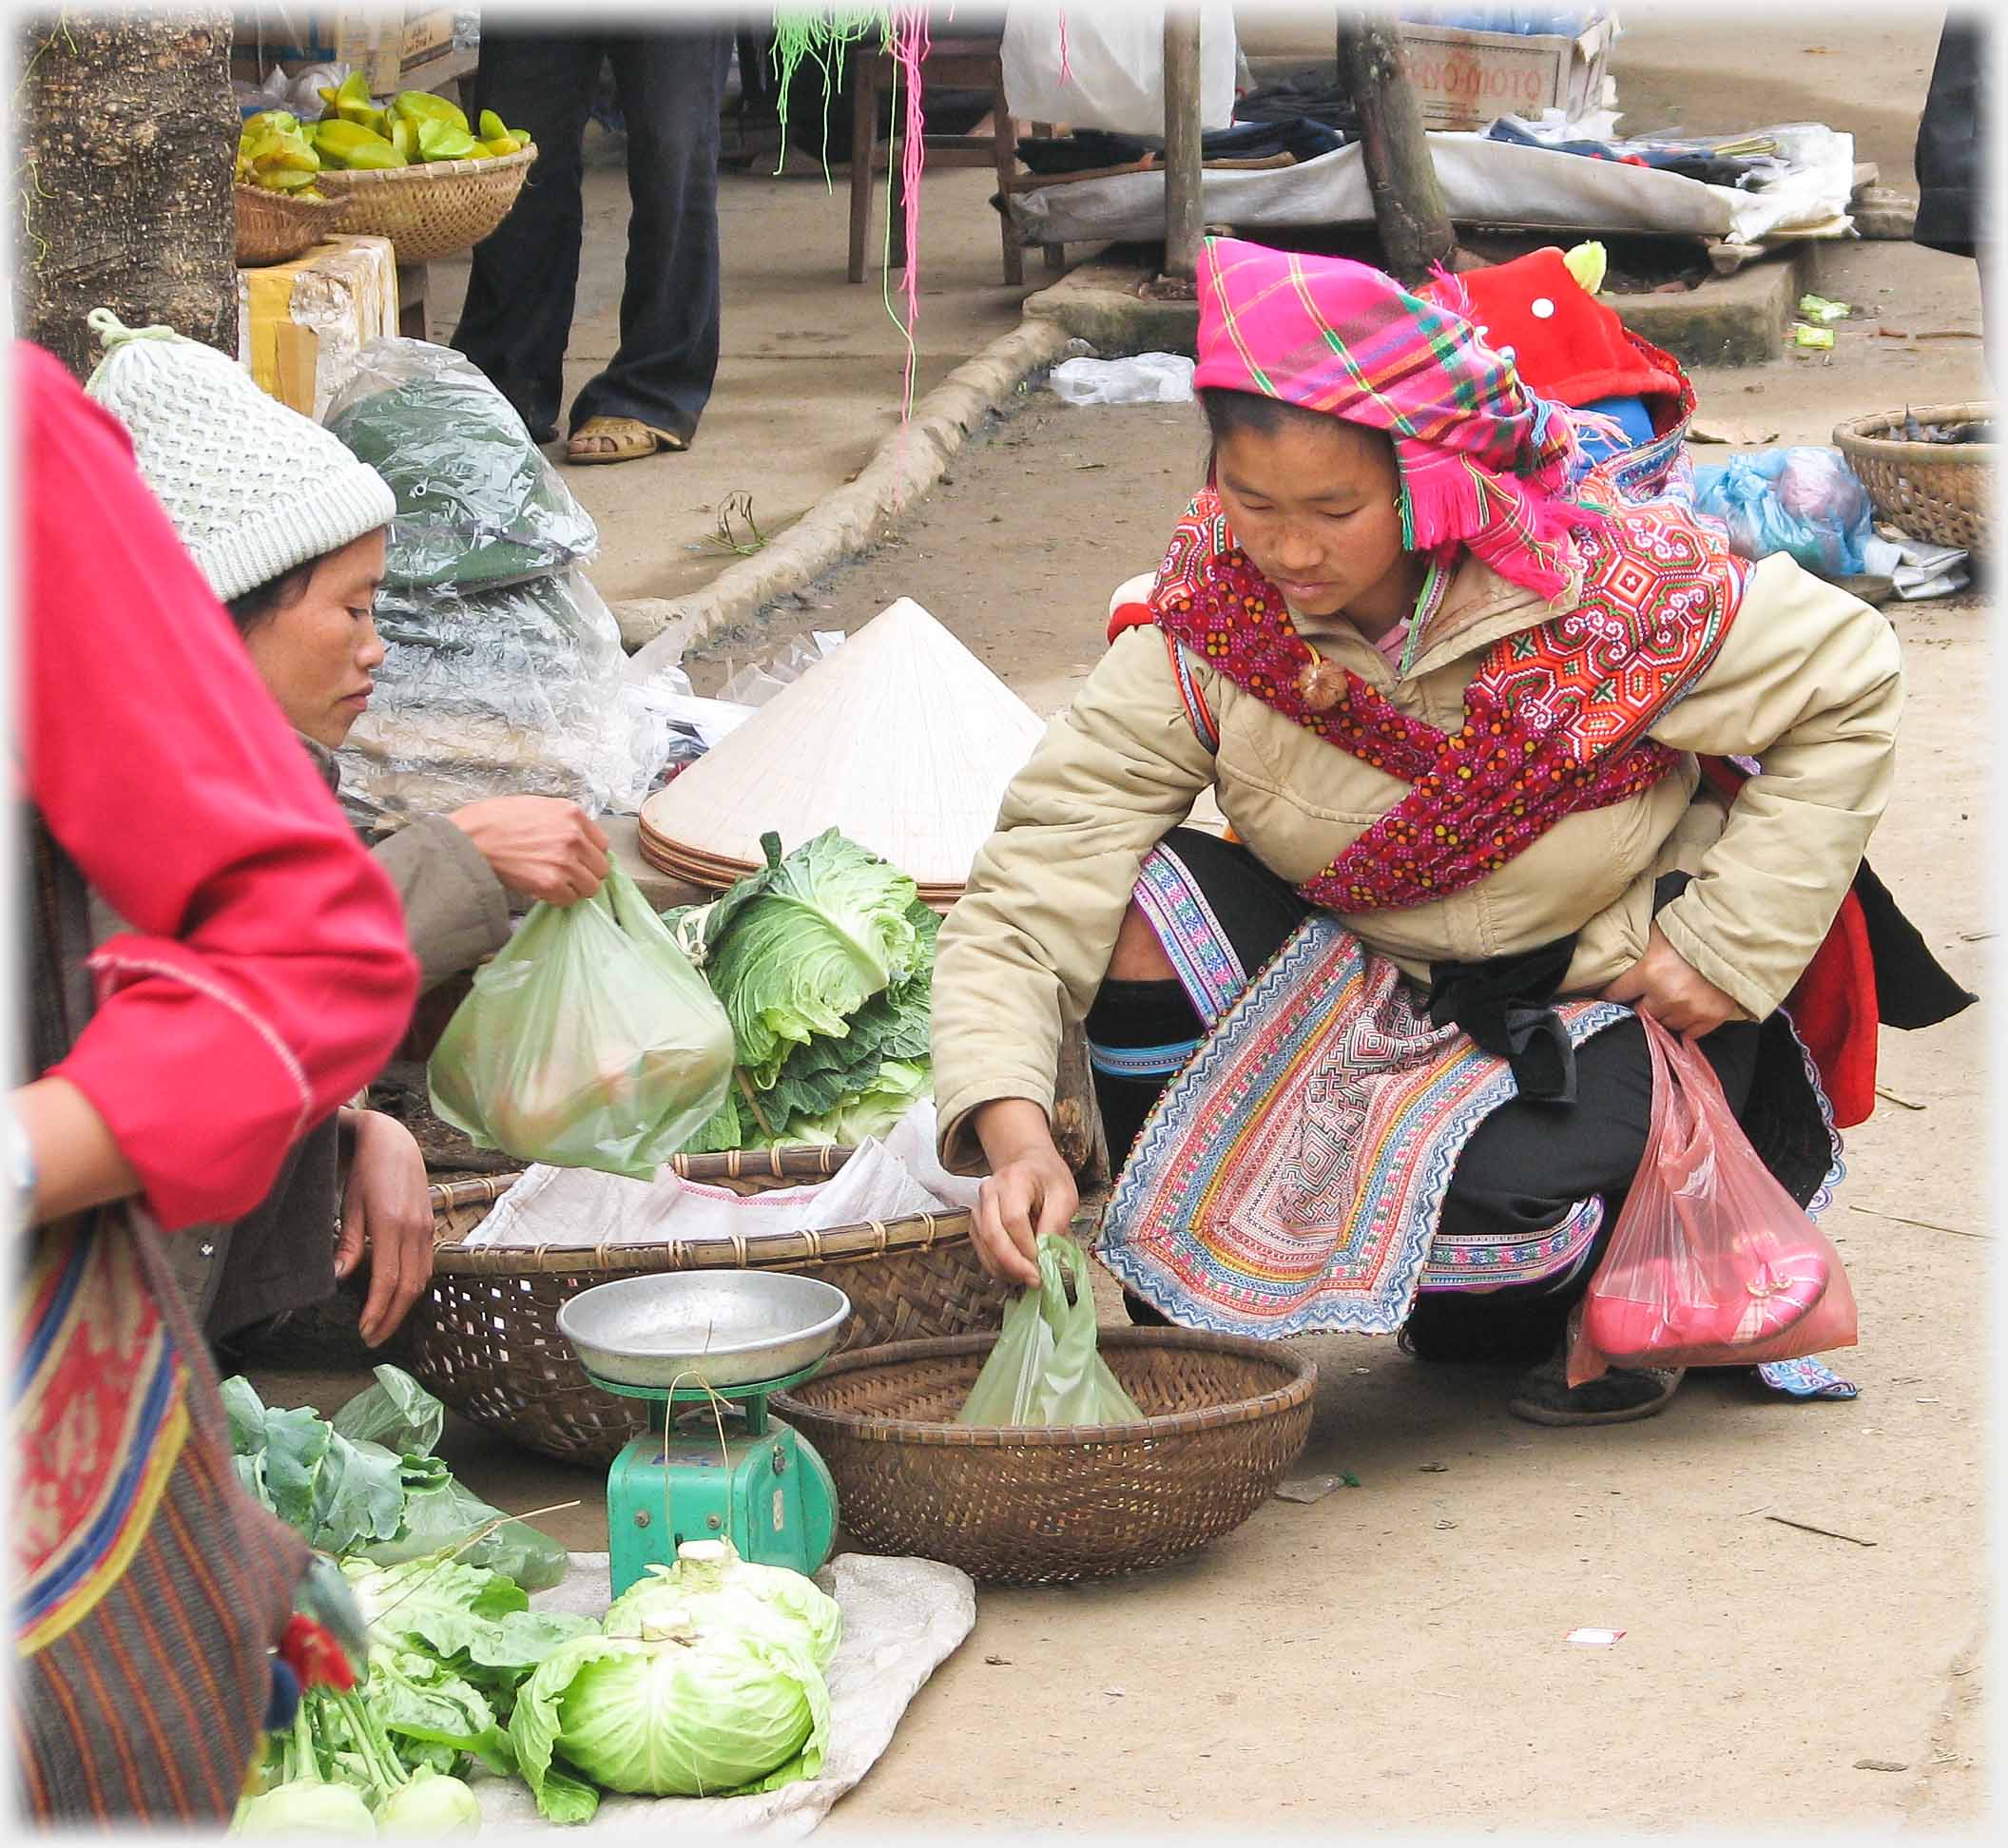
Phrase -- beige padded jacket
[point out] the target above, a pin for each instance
(1809, 679)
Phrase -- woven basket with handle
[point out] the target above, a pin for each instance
(1939, 493)
(1224, 1418)
(432, 210)
(275, 227)
(484, 1337)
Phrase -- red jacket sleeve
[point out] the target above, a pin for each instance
(266, 975)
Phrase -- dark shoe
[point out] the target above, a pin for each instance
(1544, 1396)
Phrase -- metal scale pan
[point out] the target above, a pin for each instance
(693, 1329)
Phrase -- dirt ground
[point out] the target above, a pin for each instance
(1391, 1658)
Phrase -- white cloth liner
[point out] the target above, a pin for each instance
(1484, 182)
(583, 1207)
(903, 1618)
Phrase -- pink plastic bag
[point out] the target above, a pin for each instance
(1713, 1263)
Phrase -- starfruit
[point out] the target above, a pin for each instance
(283, 119)
(499, 145)
(285, 179)
(422, 106)
(493, 126)
(441, 141)
(404, 138)
(348, 145)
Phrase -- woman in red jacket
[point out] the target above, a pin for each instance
(264, 978)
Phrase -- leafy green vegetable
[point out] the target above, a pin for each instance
(348, 1495)
(700, 1712)
(893, 1090)
(710, 1584)
(475, 1626)
(800, 947)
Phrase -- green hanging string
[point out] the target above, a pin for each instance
(823, 37)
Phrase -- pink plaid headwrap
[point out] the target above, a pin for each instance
(1484, 462)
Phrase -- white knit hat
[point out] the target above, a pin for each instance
(253, 488)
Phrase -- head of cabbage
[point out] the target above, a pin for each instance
(688, 1709)
(711, 1586)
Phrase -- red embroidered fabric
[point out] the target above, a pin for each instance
(1554, 719)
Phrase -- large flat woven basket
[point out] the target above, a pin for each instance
(433, 209)
(484, 1337)
(1224, 1419)
(1939, 493)
(274, 227)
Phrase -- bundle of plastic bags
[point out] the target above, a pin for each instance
(1807, 501)
(503, 672)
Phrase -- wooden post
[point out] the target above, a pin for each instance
(1183, 186)
(1408, 201)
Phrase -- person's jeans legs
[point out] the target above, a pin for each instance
(670, 86)
(524, 280)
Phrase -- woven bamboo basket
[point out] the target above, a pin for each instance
(433, 209)
(274, 227)
(484, 1337)
(1224, 1419)
(1939, 493)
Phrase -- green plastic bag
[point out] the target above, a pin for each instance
(589, 1041)
(1045, 1369)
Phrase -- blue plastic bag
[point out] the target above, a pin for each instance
(1807, 501)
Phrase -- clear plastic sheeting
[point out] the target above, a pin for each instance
(477, 502)
(503, 672)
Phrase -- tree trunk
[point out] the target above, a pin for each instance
(123, 174)
(1409, 202)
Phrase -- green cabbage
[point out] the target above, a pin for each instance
(798, 948)
(892, 1092)
(711, 1584)
(701, 1712)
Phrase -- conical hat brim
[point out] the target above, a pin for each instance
(901, 740)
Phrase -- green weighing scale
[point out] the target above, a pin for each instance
(684, 1341)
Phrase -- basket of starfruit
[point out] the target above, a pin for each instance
(415, 169)
(282, 212)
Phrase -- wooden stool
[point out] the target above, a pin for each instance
(949, 64)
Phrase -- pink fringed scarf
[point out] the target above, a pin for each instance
(1484, 462)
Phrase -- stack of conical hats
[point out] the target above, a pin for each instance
(901, 740)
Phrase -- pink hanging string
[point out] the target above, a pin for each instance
(1066, 68)
(909, 49)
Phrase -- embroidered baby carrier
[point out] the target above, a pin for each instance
(1554, 719)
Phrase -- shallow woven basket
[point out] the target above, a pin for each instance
(1939, 493)
(432, 210)
(275, 227)
(484, 1337)
(1226, 1418)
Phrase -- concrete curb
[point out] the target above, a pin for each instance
(1734, 320)
(847, 521)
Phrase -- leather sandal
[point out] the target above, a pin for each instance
(631, 437)
(1544, 1397)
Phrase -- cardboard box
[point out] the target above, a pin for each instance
(384, 42)
(1465, 79)
(299, 325)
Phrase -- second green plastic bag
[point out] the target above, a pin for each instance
(1046, 1368)
(589, 1041)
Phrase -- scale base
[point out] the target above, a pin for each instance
(769, 1493)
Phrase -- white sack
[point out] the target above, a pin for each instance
(1115, 64)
